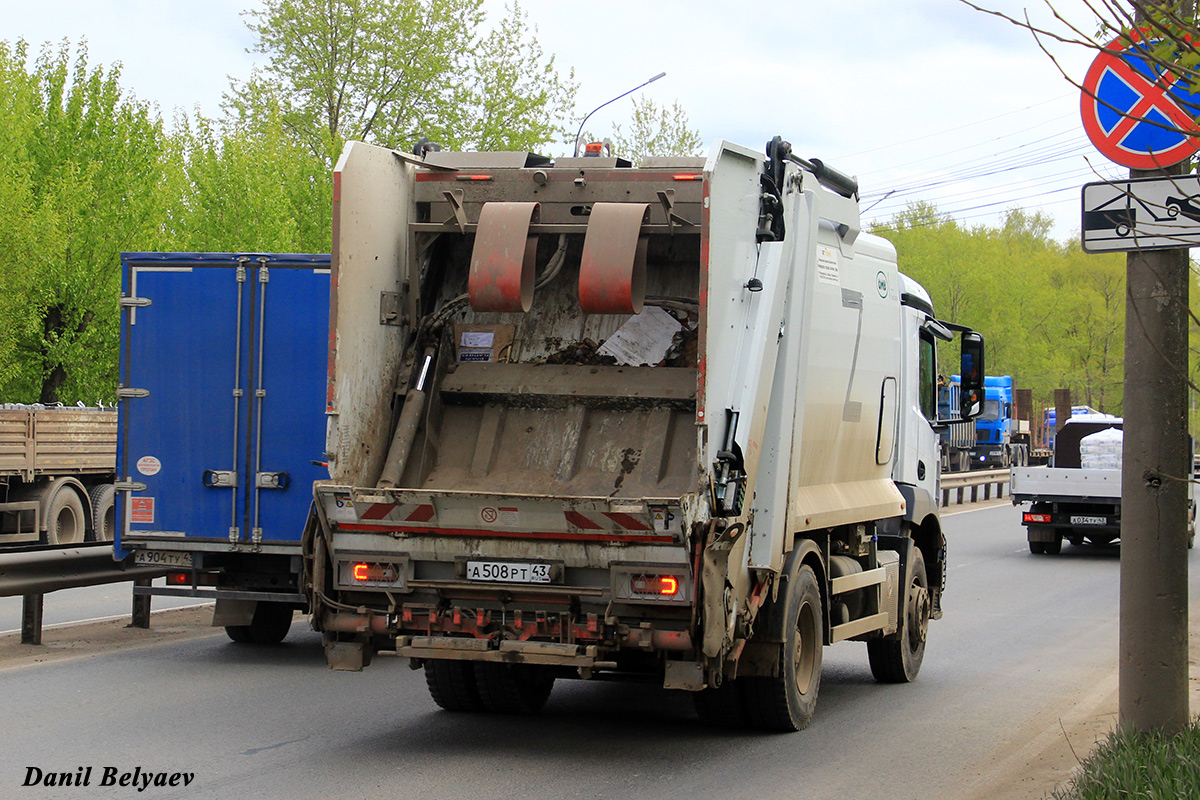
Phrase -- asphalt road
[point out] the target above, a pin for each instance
(1023, 639)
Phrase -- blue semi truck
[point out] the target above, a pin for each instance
(221, 427)
(994, 441)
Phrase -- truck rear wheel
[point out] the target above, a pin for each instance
(899, 660)
(513, 688)
(723, 706)
(1037, 548)
(452, 685)
(104, 519)
(65, 520)
(1054, 546)
(787, 702)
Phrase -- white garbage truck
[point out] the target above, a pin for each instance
(586, 420)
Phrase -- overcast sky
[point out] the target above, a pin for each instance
(921, 99)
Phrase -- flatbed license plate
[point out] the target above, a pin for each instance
(162, 558)
(508, 572)
(1077, 519)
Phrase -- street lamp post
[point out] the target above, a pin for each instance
(615, 99)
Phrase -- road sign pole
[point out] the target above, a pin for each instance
(1154, 492)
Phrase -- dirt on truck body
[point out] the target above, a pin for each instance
(675, 420)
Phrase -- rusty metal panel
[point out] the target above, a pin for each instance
(502, 263)
(568, 195)
(612, 273)
(545, 381)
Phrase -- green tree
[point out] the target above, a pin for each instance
(656, 130)
(512, 97)
(1052, 315)
(81, 166)
(389, 71)
(247, 188)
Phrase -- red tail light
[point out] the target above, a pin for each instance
(665, 585)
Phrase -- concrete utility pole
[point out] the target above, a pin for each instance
(1154, 490)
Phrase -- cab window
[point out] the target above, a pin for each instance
(928, 377)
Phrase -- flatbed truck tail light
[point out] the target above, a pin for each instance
(472, 177)
(1028, 517)
(654, 585)
(178, 579)
(688, 176)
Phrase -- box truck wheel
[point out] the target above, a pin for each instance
(452, 684)
(787, 702)
(899, 660)
(513, 688)
(1054, 546)
(269, 625)
(1037, 548)
(65, 520)
(104, 520)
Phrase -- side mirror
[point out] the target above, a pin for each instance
(972, 371)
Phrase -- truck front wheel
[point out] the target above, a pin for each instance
(899, 660)
(786, 702)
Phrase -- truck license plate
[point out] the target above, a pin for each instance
(508, 572)
(162, 558)
(1077, 519)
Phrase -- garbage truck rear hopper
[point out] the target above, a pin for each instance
(585, 419)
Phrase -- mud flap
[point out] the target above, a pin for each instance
(228, 613)
(347, 656)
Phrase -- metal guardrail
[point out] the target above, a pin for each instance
(961, 481)
(32, 573)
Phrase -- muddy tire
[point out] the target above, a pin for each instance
(899, 660)
(452, 685)
(787, 702)
(66, 522)
(104, 512)
(513, 688)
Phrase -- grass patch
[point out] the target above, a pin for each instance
(1140, 766)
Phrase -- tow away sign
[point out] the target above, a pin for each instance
(1142, 214)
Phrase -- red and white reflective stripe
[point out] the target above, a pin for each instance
(402, 512)
(604, 521)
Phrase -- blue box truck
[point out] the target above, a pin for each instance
(221, 429)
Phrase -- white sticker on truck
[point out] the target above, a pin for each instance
(828, 269)
(149, 465)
